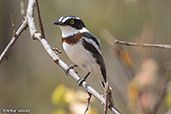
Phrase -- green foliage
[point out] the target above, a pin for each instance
(168, 100)
(67, 101)
(57, 96)
(60, 111)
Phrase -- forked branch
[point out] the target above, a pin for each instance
(38, 36)
(29, 22)
(23, 26)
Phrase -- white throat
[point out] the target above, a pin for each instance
(69, 31)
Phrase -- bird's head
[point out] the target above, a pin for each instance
(70, 25)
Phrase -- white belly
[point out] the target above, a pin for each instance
(81, 57)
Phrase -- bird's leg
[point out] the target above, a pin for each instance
(56, 50)
(81, 80)
(88, 102)
(69, 67)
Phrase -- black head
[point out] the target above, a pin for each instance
(72, 21)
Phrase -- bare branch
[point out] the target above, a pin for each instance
(88, 103)
(162, 46)
(55, 58)
(40, 20)
(106, 96)
(12, 24)
(13, 39)
(22, 11)
(30, 13)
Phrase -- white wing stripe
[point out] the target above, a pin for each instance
(93, 43)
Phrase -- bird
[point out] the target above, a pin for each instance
(82, 47)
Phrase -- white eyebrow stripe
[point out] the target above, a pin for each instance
(77, 18)
(60, 19)
(63, 21)
(66, 18)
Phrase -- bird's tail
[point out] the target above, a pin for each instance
(102, 84)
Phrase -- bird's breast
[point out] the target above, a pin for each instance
(73, 39)
(79, 55)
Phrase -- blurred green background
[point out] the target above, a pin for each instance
(29, 77)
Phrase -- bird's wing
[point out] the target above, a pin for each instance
(92, 37)
(92, 45)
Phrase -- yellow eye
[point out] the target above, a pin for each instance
(71, 22)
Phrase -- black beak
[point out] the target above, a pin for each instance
(58, 23)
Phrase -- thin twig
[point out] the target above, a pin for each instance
(106, 95)
(121, 53)
(12, 24)
(23, 26)
(55, 58)
(162, 46)
(22, 11)
(40, 21)
(111, 101)
(88, 103)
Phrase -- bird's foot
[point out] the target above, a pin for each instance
(69, 67)
(81, 80)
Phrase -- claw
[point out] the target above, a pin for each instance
(81, 80)
(70, 67)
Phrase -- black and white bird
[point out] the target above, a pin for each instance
(82, 47)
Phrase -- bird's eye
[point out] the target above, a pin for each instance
(71, 22)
